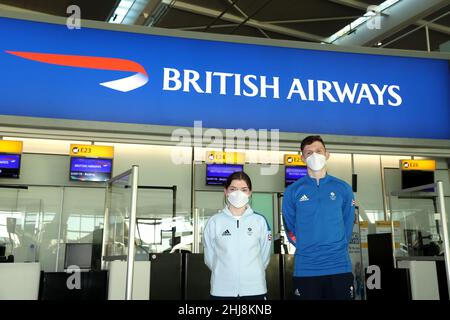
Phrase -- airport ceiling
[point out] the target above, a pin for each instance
(408, 23)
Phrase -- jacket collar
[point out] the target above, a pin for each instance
(247, 211)
(313, 181)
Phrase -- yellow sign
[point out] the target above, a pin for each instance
(427, 165)
(364, 231)
(383, 224)
(293, 160)
(225, 157)
(9, 146)
(87, 150)
(364, 224)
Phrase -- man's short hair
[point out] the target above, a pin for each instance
(310, 140)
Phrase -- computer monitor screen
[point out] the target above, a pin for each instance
(90, 169)
(78, 254)
(9, 165)
(217, 174)
(416, 178)
(293, 173)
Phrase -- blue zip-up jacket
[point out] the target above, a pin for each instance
(319, 220)
(237, 252)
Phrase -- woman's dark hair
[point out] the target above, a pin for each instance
(239, 175)
(310, 140)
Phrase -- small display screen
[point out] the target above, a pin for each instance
(90, 169)
(78, 254)
(9, 165)
(217, 174)
(293, 173)
(416, 178)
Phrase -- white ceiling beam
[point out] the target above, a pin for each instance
(363, 6)
(310, 20)
(395, 18)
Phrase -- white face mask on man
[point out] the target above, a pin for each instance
(316, 161)
(238, 199)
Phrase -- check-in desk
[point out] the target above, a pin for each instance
(427, 277)
(19, 281)
(117, 280)
(184, 276)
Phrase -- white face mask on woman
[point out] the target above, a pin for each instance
(316, 161)
(238, 199)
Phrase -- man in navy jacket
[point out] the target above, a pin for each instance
(318, 213)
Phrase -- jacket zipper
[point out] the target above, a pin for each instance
(239, 260)
(318, 189)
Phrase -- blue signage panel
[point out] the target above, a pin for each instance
(217, 174)
(50, 71)
(294, 173)
(90, 169)
(9, 161)
(91, 165)
(9, 165)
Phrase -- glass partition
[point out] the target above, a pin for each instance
(202, 215)
(419, 224)
(47, 218)
(120, 223)
(419, 229)
(116, 219)
(208, 203)
(160, 227)
(164, 234)
(20, 226)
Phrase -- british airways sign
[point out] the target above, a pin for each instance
(50, 71)
(259, 86)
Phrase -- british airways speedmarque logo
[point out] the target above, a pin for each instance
(135, 81)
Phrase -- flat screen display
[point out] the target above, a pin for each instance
(416, 178)
(293, 173)
(9, 165)
(78, 254)
(90, 169)
(217, 174)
